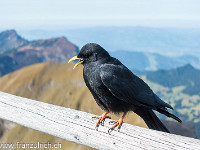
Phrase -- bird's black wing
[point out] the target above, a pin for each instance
(126, 86)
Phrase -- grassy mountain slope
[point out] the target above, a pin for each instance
(57, 84)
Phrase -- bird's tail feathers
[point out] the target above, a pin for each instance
(165, 112)
(162, 103)
(152, 121)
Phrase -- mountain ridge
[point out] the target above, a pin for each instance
(9, 40)
(61, 49)
(145, 61)
(186, 76)
(46, 50)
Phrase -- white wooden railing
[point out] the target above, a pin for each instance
(79, 127)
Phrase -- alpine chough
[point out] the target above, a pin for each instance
(116, 89)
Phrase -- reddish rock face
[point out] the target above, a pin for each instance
(54, 49)
(28, 53)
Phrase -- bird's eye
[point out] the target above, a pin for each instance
(88, 55)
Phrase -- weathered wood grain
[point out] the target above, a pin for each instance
(79, 127)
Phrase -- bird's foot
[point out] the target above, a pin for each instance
(117, 123)
(101, 118)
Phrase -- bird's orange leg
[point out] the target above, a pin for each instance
(101, 118)
(117, 122)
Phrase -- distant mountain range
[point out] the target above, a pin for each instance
(144, 61)
(18, 53)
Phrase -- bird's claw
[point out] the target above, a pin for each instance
(96, 128)
(101, 119)
(110, 130)
(116, 123)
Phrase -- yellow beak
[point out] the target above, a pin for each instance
(74, 58)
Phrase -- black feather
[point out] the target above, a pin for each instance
(165, 112)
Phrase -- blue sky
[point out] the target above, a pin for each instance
(53, 14)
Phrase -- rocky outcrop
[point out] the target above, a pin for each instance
(9, 40)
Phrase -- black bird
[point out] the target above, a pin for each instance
(116, 89)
